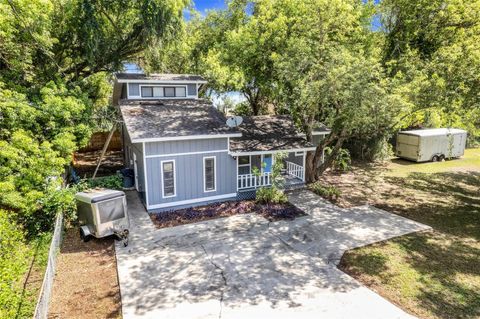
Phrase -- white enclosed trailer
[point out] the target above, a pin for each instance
(431, 144)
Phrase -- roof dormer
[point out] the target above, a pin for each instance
(134, 86)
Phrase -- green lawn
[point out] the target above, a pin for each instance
(470, 161)
(432, 274)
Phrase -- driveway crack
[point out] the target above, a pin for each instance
(222, 274)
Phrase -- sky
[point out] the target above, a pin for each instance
(203, 5)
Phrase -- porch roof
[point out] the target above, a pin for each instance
(268, 133)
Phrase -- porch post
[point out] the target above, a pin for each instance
(304, 161)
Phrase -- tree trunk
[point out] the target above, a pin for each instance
(328, 162)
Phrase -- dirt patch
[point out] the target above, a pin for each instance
(86, 283)
(272, 212)
(85, 163)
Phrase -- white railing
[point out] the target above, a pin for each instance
(295, 170)
(246, 181)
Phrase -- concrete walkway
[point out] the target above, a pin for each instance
(243, 266)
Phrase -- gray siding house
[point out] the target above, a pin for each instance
(184, 154)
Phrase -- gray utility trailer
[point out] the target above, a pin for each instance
(101, 213)
(431, 144)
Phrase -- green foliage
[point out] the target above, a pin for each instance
(14, 255)
(342, 160)
(432, 54)
(112, 182)
(329, 191)
(273, 194)
(270, 195)
(242, 109)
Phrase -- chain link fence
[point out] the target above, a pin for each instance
(41, 310)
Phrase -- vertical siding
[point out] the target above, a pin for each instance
(187, 146)
(189, 177)
(316, 139)
(137, 148)
(294, 159)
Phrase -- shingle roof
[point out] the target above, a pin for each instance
(171, 118)
(268, 133)
(159, 77)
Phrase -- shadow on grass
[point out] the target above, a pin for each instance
(449, 202)
(446, 260)
(443, 263)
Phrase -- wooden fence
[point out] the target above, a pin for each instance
(98, 140)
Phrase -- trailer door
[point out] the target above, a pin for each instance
(408, 146)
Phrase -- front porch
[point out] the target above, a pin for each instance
(293, 171)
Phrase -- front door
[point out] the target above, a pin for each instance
(267, 162)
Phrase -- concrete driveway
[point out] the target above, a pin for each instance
(245, 267)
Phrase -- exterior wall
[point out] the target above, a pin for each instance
(134, 88)
(129, 149)
(295, 159)
(189, 180)
(186, 146)
(316, 139)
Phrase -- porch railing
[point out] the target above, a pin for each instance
(295, 170)
(246, 181)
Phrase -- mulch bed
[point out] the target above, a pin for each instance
(272, 212)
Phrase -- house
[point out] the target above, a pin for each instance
(184, 154)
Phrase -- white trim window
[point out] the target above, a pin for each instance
(209, 174)
(244, 165)
(180, 91)
(168, 178)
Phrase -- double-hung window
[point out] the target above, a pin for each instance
(168, 178)
(209, 179)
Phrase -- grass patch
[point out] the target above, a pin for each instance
(432, 274)
(31, 282)
(402, 168)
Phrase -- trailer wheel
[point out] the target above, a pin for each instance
(442, 158)
(435, 158)
(83, 237)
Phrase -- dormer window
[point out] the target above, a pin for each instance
(157, 86)
(150, 91)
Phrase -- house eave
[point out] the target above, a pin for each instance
(183, 138)
(305, 149)
(161, 81)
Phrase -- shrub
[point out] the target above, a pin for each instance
(271, 195)
(112, 182)
(14, 255)
(330, 192)
(342, 161)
